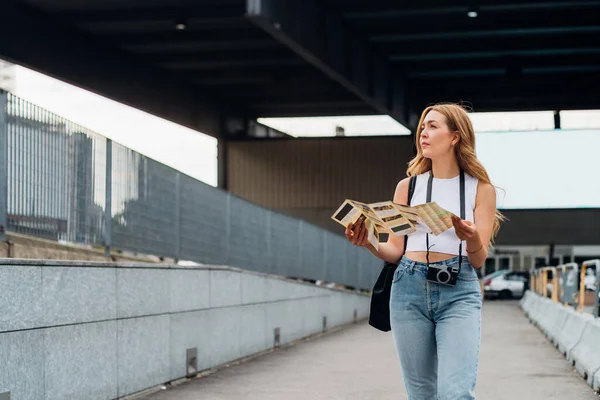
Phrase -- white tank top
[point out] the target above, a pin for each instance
(446, 193)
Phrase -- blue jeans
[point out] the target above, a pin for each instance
(436, 330)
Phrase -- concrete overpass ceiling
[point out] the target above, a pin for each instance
(197, 61)
(498, 55)
(217, 52)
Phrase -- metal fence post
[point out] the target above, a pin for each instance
(177, 215)
(597, 294)
(227, 229)
(108, 200)
(3, 163)
(269, 245)
(325, 236)
(300, 265)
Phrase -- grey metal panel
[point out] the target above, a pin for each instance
(203, 222)
(312, 247)
(51, 157)
(351, 264)
(336, 260)
(368, 265)
(143, 203)
(4, 150)
(248, 235)
(285, 245)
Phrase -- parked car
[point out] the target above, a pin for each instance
(505, 284)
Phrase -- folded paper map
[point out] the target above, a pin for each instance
(396, 219)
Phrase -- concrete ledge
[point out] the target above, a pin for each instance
(526, 302)
(596, 382)
(572, 332)
(586, 354)
(556, 325)
(127, 328)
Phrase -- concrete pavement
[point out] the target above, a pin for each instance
(359, 362)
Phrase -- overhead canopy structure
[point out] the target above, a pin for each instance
(214, 65)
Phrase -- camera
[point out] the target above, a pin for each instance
(443, 274)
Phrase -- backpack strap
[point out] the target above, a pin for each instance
(411, 190)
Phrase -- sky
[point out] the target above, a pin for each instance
(534, 165)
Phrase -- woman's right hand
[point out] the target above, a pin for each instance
(357, 233)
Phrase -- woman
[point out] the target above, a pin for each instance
(436, 327)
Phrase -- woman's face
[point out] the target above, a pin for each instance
(436, 138)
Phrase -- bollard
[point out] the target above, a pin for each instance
(554, 282)
(569, 284)
(597, 301)
(582, 285)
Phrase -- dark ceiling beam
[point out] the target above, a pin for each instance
(165, 47)
(470, 45)
(321, 39)
(495, 53)
(553, 70)
(404, 12)
(223, 55)
(277, 90)
(517, 103)
(37, 43)
(278, 76)
(499, 66)
(517, 32)
(140, 14)
(246, 32)
(193, 65)
(131, 28)
(318, 110)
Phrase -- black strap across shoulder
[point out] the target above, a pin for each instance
(462, 210)
(411, 190)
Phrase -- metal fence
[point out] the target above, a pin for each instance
(61, 181)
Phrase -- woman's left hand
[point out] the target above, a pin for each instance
(464, 229)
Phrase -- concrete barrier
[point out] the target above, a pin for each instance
(527, 301)
(554, 325)
(572, 331)
(536, 303)
(586, 354)
(541, 312)
(549, 313)
(76, 330)
(596, 383)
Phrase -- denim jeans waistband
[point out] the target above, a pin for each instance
(419, 265)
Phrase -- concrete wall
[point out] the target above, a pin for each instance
(103, 330)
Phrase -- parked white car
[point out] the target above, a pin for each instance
(505, 284)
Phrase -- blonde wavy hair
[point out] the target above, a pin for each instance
(457, 120)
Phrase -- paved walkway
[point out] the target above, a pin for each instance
(360, 363)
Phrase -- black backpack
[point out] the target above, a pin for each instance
(379, 317)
